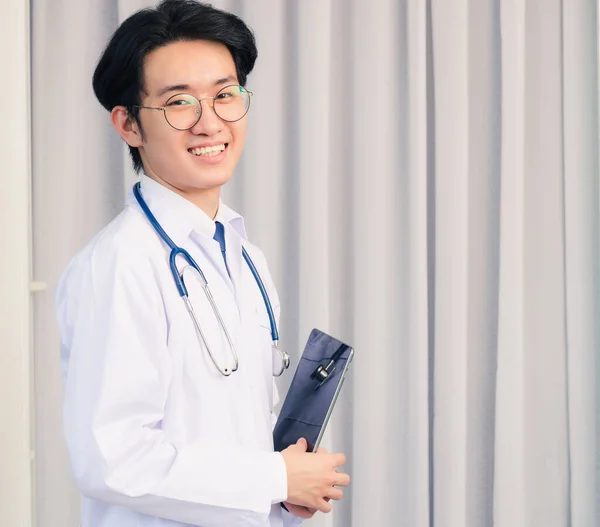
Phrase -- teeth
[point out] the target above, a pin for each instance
(208, 151)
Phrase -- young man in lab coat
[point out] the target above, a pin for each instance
(157, 436)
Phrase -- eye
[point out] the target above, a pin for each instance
(230, 93)
(180, 102)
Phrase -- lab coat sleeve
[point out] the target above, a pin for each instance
(289, 520)
(113, 331)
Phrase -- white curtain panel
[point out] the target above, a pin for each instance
(423, 178)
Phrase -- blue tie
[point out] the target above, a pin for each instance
(220, 237)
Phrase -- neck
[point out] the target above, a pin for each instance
(206, 200)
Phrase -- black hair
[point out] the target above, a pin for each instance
(119, 76)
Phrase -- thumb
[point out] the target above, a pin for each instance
(302, 444)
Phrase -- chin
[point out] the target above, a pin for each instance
(206, 182)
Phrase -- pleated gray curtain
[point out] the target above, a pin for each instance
(423, 178)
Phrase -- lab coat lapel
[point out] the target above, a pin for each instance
(235, 260)
(212, 252)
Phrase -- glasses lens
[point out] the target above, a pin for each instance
(232, 103)
(182, 111)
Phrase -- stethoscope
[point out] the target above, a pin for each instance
(179, 282)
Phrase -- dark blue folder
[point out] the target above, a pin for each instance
(313, 392)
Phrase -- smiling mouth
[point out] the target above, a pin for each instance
(208, 151)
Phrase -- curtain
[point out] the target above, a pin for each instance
(422, 176)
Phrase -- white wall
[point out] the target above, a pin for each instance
(15, 221)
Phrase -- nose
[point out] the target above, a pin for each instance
(209, 123)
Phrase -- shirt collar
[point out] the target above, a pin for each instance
(179, 217)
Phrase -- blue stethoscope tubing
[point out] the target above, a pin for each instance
(182, 289)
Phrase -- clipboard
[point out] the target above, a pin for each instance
(314, 391)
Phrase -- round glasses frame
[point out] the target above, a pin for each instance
(199, 110)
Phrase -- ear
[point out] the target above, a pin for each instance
(126, 126)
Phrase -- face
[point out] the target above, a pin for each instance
(173, 157)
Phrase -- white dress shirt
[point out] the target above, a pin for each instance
(157, 436)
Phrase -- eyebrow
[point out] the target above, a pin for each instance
(187, 87)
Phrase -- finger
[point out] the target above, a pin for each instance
(334, 493)
(324, 506)
(302, 444)
(322, 451)
(342, 480)
(338, 460)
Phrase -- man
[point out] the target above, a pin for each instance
(168, 406)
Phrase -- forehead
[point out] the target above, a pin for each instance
(197, 63)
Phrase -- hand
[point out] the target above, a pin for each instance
(312, 478)
(302, 512)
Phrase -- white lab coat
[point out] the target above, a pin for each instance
(157, 437)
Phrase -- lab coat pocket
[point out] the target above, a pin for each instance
(262, 325)
(260, 328)
(262, 321)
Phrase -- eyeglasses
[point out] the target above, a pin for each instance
(183, 111)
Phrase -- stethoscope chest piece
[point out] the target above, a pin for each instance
(279, 366)
(323, 373)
